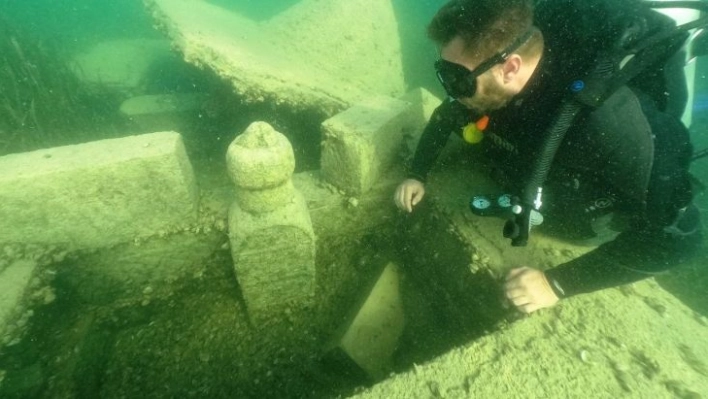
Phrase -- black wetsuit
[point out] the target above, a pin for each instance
(629, 156)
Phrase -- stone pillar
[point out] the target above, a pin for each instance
(271, 235)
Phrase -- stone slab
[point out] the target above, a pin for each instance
(362, 142)
(162, 104)
(304, 57)
(160, 112)
(121, 64)
(372, 333)
(424, 103)
(97, 194)
(608, 344)
(14, 283)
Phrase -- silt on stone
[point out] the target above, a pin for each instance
(361, 143)
(271, 235)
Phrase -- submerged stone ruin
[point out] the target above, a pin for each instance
(270, 230)
(240, 276)
(303, 57)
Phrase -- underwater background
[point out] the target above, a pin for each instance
(78, 347)
(66, 29)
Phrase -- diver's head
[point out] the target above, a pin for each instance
(488, 50)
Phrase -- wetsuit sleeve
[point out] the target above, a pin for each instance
(448, 117)
(651, 186)
(632, 256)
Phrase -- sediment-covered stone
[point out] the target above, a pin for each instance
(271, 235)
(274, 256)
(14, 284)
(362, 142)
(303, 57)
(260, 158)
(97, 194)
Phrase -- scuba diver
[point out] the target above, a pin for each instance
(542, 87)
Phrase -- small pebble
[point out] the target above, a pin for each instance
(10, 252)
(49, 297)
(59, 256)
(585, 356)
(220, 225)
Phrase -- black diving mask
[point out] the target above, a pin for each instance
(460, 82)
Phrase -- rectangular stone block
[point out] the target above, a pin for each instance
(372, 334)
(14, 284)
(424, 104)
(363, 141)
(97, 194)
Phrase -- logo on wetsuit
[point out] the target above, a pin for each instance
(598, 204)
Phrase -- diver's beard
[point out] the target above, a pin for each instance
(492, 102)
(493, 99)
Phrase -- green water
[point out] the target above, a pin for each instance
(196, 340)
(256, 10)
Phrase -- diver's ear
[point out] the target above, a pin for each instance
(511, 67)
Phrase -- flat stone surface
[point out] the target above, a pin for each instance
(362, 142)
(14, 282)
(608, 344)
(121, 64)
(162, 104)
(304, 57)
(373, 332)
(424, 104)
(97, 194)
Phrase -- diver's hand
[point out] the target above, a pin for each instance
(528, 289)
(408, 194)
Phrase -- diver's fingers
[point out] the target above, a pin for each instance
(521, 302)
(516, 294)
(528, 308)
(407, 198)
(417, 195)
(397, 197)
(400, 197)
(513, 273)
